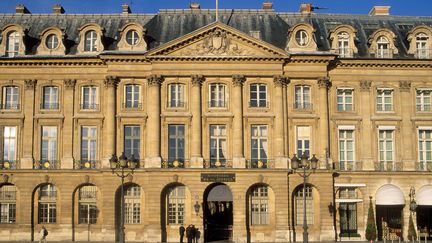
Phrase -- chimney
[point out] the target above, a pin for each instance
(58, 9)
(380, 11)
(126, 9)
(267, 5)
(21, 9)
(306, 8)
(195, 6)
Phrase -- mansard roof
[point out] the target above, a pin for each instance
(168, 25)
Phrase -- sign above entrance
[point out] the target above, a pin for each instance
(217, 177)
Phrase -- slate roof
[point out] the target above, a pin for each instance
(168, 25)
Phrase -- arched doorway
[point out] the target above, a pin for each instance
(218, 213)
(84, 212)
(424, 211)
(131, 210)
(390, 202)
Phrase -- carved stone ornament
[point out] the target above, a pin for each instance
(111, 81)
(261, 178)
(87, 179)
(70, 83)
(175, 178)
(216, 44)
(155, 80)
(5, 178)
(46, 178)
(405, 86)
(197, 80)
(280, 80)
(238, 80)
(129, 178)
(324, 82)
(30, 83)
(365, 85)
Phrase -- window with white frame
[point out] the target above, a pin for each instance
(218, 145)
(52, 41)
(132, 204)
(302, 38)
(132, 96)
(176, 143)
(345, 101)
(9, 136)
(384, 99)
(176, 205)
(303, 140)
(90, 41)
(302, 96)
(258, 95)
(47, 207)
(132, 37)
(422, 48)
(346, 149)
(176, 97)
(10, 98)
(259, 145)
(13, 44)
(425, 148)
(383, 47)
(89, 98)
(49, 144)
(132, 140)
(308, 193)
(217, 95)
(423, 99)
(386, 149)
(50, 98)
(88, 143)
(7, 204)
(343, 44)
(259, 205)
(87, 213)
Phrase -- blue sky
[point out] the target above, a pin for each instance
(398, 7)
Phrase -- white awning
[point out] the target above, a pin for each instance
(390, 195)
(424, 196)
(220, 193)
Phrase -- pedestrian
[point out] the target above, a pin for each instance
(197, 235)
(181, 232)
(193, 233)
(189, 233)
(43, 234)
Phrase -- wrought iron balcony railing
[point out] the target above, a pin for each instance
(89, 106)
(9, 164)
(87, 164)
(217, 104)
(46, 164)
(176, 104)
(388, 166)
(424, 166)
(132, 106)
(345, 52)
(423, 53)
(303, 106)
(174, 163)
(349, 166)
(10, 106)
(49, 106)
(260, 163)
(258, 104)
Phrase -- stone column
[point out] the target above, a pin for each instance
(28, 135)
(324, 85)
(67, 161)
(237, 108)
(279, 155)
(367, 129)
(407, 155)
(196, 160)
(109, 136)
(153, 129)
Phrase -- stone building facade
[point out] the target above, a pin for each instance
(213, 112)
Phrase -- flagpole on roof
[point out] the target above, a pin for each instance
(217, 10)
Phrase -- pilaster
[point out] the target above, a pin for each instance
(28, 130)
(196, 160)
(281, 160)
(366, 110)
(407, 155)
(324, 85)
(109, 120)
(153, 138)
(67, 161)
(237, 108)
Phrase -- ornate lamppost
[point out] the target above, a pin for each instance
(305, 167)
(412, 234)
(122, 167)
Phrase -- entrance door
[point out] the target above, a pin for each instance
(218, 213)
(424, 221)
(348, 219)
(390, 216)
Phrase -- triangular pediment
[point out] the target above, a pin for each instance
(217, 40)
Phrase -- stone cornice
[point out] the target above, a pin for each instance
(375, 63)
(52, 61)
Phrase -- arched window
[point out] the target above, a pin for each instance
(47, 209)
(343, 44)
(217, 95)
(383, 47)
(87, 207)
(7, 204)
(302, 37)
(299, 200)
(176, 205)
(132, 37)
(52, 41)
(421, 44)
(259, 205)
(90, 44)
(132, 204)
(13, 43)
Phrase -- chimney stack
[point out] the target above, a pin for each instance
(306, 8)
(58, 9)
(195, 6)
(126, 9)
(380, 11)
(21, 9)
(267, 5)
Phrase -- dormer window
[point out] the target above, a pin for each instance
(383, 50)
(90, 44)
(302, 37)
(13, 44)
(382, 44)
(342, 41)
(343, 45)
(91, 36)
(52, 41)
(420, 42)
(132, 37)
(422, 47)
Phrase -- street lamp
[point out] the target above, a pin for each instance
(308, 166)
(122, 167)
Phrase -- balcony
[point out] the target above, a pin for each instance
(132, 106)
(9, 164)
(424, 166)
(46, 165)
(349, 166)
(87, 164)
(258, 104)
(303, 106)
(217, 104)
(388, 166)
(174, 163)
(423, 53)
(10, 106)
(345, 52)
(259, 163)
(92, 107)
(218, 163)
(49, 106)
(384, 53)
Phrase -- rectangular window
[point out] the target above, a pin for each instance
(299, 200)
(133, 205)
(302, 97)
(7, 204)
(303, 141)
(49, 144)
(259, 146)
(132, 138)
(50, 98)
(384, 99)
(386, 149)
(9, 144)
(89, 98)
(87, 209)
(88, 143)
(346, 149)
(425, 149)
(47, 213)
(259, 206)
(176, 144)
(218, 145)
(10, 98)
(217, 95)
(348, 218)
(176, 95)
(176, 205)
(423, 99)
(132, 96)
(345, 99)
(258, 95)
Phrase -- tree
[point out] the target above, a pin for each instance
(412, 234)
(371, 231)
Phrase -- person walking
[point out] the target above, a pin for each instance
(181, 232)
(193, 231)
(197, 235)
(43, 234)
(189, 233)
